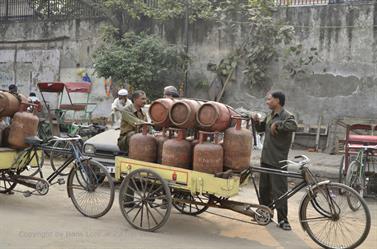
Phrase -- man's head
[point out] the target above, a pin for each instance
(275, 100)
(13, 88)
(139, 98)
(123, 94)
(171, 92)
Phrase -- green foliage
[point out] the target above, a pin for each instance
(297, 60)
(144, 61)
(264, 41)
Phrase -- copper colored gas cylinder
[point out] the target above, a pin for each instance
(143, 146)
(177, 152)
(9, 104)
(214, 116)
(183, 113)
(208, 156)
(159, 112)
(161, 139)
(24, 124)
(237, 147)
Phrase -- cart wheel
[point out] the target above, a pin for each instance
(145, 200)
(5, 185)
(181, 201)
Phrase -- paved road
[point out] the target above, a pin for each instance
(52, 222)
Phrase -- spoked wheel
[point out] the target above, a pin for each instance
(6, 186)
(355, 181)
(59, 154)
(145, 200)
(330, 221)
(181, 201)
(91, 188)
(29, 161)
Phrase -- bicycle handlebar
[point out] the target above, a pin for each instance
(77, 137)
(299, 164)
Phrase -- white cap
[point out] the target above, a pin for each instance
(122, 92)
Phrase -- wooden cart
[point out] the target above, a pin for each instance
(160, 187)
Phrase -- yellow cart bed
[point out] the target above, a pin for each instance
(149, 190)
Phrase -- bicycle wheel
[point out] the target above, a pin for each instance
(330, 221)
(6, 186)
(181, 203)
(145, 200)
(58, 156)
(90, 195)
(342, 167)
(29, 161)
(355, 181)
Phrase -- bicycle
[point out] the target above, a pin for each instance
(89, 185)
(325, 211)
(360, 169)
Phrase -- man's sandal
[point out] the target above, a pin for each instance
(284, 225)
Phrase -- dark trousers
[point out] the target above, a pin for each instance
(271, 187)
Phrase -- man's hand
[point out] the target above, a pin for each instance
(274, 129)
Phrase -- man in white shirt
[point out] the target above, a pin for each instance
(118, 106)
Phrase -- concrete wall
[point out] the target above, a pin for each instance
(342, 84)
(32, 52)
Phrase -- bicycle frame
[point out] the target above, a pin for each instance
(285, 173)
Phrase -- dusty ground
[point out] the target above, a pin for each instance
(53, 222)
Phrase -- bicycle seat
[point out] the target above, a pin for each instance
(33, 140)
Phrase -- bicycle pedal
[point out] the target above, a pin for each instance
(61, 181)
(27, 194)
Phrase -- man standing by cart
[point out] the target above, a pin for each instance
(132, 115)
(278, 127)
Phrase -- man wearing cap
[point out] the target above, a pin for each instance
(171, 92)
(119, 105)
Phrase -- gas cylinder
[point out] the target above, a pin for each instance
(143, 146)
(24, 124)
(159, 112)
(214, 116)
(208, 156)
(9, 104)
(177, 151)
(183, 113)
(161, 139)
(237, 147)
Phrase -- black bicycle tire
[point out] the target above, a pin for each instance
(72, 196)
(307, 199)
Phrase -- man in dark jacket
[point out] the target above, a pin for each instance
(278, 127)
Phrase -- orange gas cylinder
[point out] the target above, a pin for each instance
(24, 124)
(183, 113)
(143, 146)
(159, 112)
(177, 151)
(208, 156)
(161, 139)
(237, 147)
(9, 104)
(214, 116)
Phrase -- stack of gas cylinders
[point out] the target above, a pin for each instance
(16, 123)
(190, 136)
